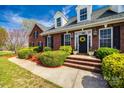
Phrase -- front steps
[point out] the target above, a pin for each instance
(84, 62)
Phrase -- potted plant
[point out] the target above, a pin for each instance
(91, 51)
(75, 51)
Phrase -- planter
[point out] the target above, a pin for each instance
(75, 52)
(91, 53)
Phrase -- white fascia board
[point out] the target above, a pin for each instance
(59, 30)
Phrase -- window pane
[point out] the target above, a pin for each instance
(83, 17)
(82, 11)
(105, 38)
(49, 41)
(58, 21)
(67, 39)
(83, 14)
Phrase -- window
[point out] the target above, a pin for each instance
(67, 39)
(49, 41)
(106, 37)
(58, 21)
(83, 14)
(40, 43)
(32, 44)
(36, 34)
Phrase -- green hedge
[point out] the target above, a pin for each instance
(37, 49)
(47, 49)
(6, 53)
(25, 53)
(53, 58)
(113, 70)
(103, 52)
(67, 49)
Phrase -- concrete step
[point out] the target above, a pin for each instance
(84, 59)
(83, 67)
(88, 63)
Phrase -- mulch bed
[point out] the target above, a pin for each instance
(38, 62)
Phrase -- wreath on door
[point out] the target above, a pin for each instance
(82, 39)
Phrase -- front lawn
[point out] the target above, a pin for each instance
(13, 76)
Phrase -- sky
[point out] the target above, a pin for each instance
(12, 16)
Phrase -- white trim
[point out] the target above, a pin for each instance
(111, 35)
(64, 37)
(74, 27)
(84, 32)
(47, 40)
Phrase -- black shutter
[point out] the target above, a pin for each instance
(62, 39)
(52, 42)
(116, 37)
(45, 40)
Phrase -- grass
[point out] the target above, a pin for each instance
(13, 76)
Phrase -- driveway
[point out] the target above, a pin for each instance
(64, 76)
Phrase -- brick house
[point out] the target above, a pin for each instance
(89, 29)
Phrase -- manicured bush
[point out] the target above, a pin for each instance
(47, 49)
(37, 49)
(53, 58)
(67, 49)
(103, 52)
(6, 53)
(113, 70)
(25, 53)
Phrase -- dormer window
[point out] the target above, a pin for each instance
(83, 14)
(58, 20)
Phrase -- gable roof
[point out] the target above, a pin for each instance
(96, 16)
(44, 28)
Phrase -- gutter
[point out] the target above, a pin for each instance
(60, 30)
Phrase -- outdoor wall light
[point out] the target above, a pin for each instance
(105, 25)
(72, 35)
(95, 32)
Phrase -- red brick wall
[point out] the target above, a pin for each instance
(57, 38)
(56, 41)
(31, 37)
(95, 38)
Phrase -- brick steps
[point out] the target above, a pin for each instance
(84, 59)
(84, 63)
(88, 63)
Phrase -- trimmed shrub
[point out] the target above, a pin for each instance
(25, 53)
(113, 70)
(47, 49)
(67, 49)
(53, 58)
(37, 49)
(103, 52)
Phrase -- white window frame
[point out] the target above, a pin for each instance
(83, 14)
(70, 37)
(35, 34)
(111, 35)
(47, 40)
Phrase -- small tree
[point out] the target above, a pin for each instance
(17, 39)
(3, 36)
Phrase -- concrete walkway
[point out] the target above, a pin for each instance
(64, 76)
